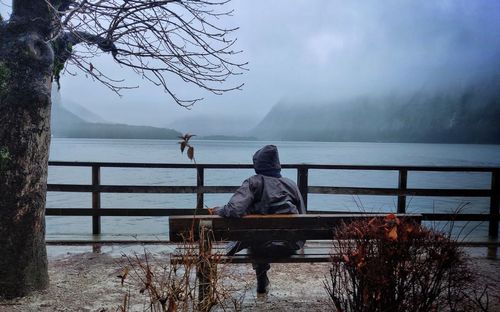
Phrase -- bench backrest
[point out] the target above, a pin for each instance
(267, 227)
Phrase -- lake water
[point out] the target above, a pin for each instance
(240, 152)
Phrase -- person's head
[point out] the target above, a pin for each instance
(266, 161)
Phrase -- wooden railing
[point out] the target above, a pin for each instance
(402, 191)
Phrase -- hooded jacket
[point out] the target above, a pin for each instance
(267, 192)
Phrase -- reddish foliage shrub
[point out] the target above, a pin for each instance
(395, 264)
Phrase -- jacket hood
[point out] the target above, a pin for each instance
(266, 161)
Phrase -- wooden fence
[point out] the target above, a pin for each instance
(402, 191)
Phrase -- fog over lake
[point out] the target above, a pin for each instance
(309, 52)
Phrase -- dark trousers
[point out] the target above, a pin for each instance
(269, 249)
(264, 249)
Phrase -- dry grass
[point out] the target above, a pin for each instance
(197, 280)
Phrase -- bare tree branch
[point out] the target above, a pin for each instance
(160, 40)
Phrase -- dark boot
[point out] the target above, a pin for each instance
(262, 283)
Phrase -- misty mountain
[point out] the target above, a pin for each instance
(66, 124)
(471, 115)
(227, 138)
(220, 126)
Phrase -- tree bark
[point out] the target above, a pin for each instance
(26, 60)
(27, 43)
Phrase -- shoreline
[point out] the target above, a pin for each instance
(85, 281)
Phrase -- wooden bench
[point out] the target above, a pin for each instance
(212, 229)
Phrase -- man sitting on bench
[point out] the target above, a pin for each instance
(267, 192)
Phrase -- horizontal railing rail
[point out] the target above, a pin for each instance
(402, 191)
(283, 166)
(165, 212)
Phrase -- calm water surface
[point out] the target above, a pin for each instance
(240, 152)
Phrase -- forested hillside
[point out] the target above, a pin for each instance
(469, 116)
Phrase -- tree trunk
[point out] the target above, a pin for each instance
(26, 61)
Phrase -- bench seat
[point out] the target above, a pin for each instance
(311, 253)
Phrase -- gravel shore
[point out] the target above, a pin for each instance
(85, 281)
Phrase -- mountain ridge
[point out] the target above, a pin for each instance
(66, 124)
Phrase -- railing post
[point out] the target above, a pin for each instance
(402, 185)
(200, 182)
(494, 204)
(96, 199)
(302, 182)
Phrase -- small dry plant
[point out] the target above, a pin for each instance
(397, 264)
(191, 280)
(194, 278)
(184, 142)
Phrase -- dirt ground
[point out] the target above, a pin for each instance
(82, 280)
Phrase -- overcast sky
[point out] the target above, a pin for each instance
(321, 50)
